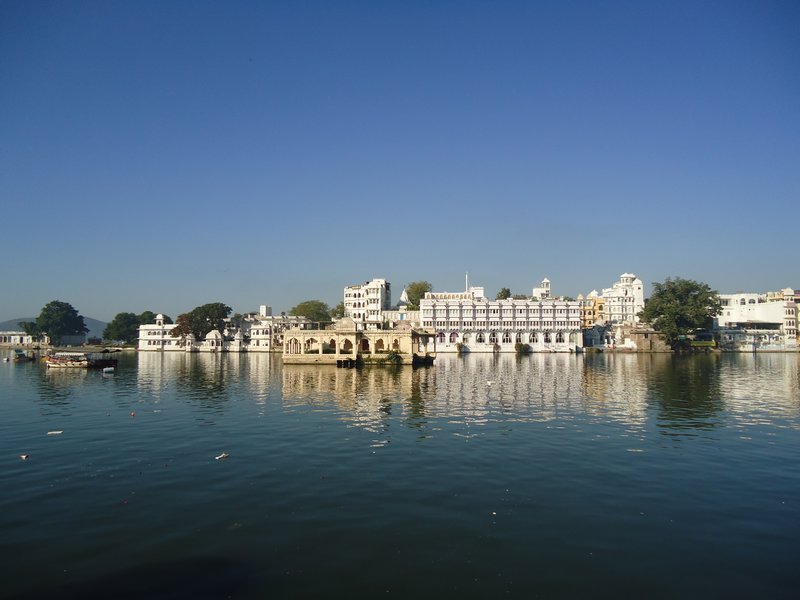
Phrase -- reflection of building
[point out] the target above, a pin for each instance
(360, 392)
(345, 342)
(471, 322)
(751, 322)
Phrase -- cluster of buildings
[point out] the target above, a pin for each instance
(470, 321)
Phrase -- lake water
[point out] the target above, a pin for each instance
(540, 476)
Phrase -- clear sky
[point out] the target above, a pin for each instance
(161, 155)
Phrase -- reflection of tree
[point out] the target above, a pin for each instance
(206, 377)
(687, 389)
(56, 386)
(415, 402)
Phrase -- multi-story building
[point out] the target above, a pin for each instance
(265, 330)
(366, 302)
(593, 309)
(473, 323)
(156, 336)
(624, 300)
(752, 321)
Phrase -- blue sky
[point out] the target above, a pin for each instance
(161, 155)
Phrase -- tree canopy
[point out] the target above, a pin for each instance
(123, 327)
(199, 321)
(416, 291)
(337, 312)
(679, 306)
(59, 319)
(31, 329)
(313, 310)
(503, 294)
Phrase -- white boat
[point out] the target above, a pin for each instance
(79, 360)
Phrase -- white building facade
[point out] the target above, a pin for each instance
(624, 300)
(366, 302)
(471, 322)
(752, 321)
(264, 331)
(156, 337)
(18, 338)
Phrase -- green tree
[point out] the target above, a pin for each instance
(313, 310)
(31, 329)
(416, 291)
(123, 327)
(148, 317)
(59, 319)
(337, 312)
(679, 306)
(202, 319)
(503, 294)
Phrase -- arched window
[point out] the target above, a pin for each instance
(440, 337)
(465, 338)
(453, 337)
(480, 339)
(506, 338)
(547, 337)
(532, 338)
(396, 345)
(379, 347)
(559, 338)
(493, 337)
(519, 338)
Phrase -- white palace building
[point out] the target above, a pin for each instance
(474, 323)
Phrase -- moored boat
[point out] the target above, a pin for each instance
(22, 356)
(80, 360)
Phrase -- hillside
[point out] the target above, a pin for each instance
(96, 327)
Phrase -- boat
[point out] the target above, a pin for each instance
(80, 360)
(22, 356)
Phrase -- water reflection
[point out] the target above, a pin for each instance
(682, 394)
(202, 378)
(686, 390)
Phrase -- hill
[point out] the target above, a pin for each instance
(96, 327)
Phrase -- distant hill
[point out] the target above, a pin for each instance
(96, 327)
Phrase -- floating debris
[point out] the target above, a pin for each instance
(24, 456)
(222, 456)
(133, 413)
(59, 432)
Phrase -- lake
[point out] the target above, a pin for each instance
(610, 475)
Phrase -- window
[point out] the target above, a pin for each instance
(480, 339)
(532, 338)
(493, 337)
(506, 338)
(453, 337)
